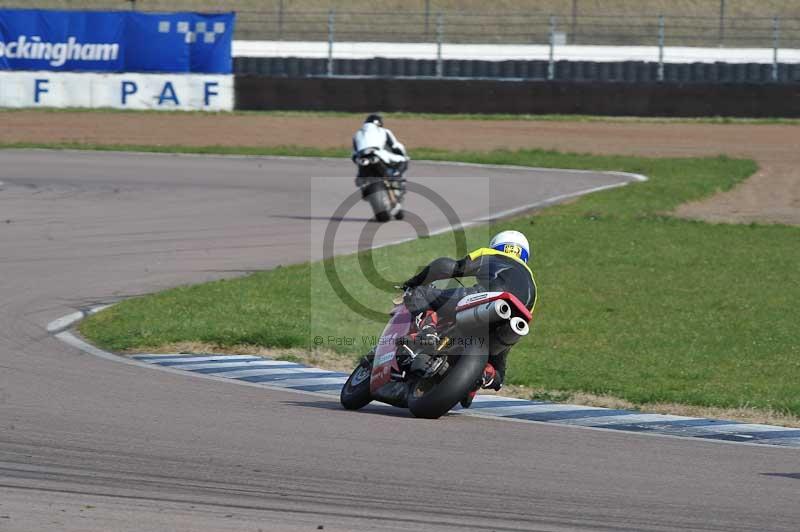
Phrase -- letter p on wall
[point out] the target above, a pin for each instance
(128, 88)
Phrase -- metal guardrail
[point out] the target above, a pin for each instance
(660, 32)
(518, 28)
(718, 23)
(442, 29)
(276, 21)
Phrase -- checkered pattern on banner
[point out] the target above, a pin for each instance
(202, 32)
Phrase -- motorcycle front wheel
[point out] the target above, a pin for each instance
(431, 400)
(355, 392)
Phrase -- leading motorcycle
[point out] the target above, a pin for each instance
(484, 324)
(381, 185)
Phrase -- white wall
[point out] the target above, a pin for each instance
(503, 52)
(185, 92)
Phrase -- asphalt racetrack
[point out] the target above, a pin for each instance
(88, 444)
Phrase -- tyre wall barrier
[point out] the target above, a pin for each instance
(630, 71)
(517, 97)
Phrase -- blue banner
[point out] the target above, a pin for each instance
(116, 41)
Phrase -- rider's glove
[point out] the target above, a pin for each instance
(408, 285)
(416, 300)
(409, 300)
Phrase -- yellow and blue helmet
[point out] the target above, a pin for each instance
(512, 243)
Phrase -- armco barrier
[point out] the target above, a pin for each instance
(522, 97)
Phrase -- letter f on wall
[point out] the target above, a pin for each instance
(39, 88)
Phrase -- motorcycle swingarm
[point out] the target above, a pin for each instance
(394, 393)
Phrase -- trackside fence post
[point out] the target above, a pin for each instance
(551, 66)
(280, 20)
(661, 48)
(427, 17)
(439, 40)
(331, 28)
(776, 37)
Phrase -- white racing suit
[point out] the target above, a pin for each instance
(389, 149)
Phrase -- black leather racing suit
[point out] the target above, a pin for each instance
(494, 271)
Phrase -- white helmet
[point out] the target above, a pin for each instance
(513, 243)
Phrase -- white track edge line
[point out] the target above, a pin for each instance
(64, 322)
(695, 439)
(73, 341)
(516, 210)
(549, 201)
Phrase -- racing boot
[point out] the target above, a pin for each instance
(487, 380)
(467, 401)
(427, 336)
(422, 339)
(424, 343)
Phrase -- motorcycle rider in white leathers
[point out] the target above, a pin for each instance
(372, 135)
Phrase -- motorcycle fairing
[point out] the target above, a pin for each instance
(385, 361)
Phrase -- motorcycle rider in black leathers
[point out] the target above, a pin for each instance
(502, 267)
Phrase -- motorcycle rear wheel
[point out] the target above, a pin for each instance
(433, 400)
(379, 201)
(355, 392)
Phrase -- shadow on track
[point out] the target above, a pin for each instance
(324, 218)
(376, 409)
(795, 476)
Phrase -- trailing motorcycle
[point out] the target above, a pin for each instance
(382, 185)
(484, 324)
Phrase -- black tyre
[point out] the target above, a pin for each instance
(431, 400)
(379, 201)
(355, 392)
(399, 215)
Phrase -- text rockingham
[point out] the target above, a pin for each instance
(58, 53)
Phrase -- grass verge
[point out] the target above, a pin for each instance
(634, 304)
(356, 117)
